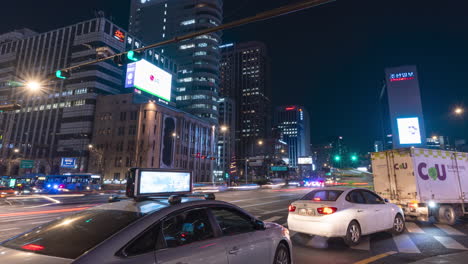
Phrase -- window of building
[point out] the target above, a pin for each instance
(133, 115)
(121, 131)
(187, 22)
(117, 176)
(143, 128)
(123, 116)
(187, 46)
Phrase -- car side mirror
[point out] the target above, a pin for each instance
(386, 200)
(259, 225)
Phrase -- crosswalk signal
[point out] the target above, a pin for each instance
(62, 74)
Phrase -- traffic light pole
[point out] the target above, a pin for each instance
(259, 17)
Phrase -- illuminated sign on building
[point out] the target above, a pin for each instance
(409, 131)
(290, 108)
(149, 78)
(119, 35)
(68, 163)
(402, 76)
(304, 160)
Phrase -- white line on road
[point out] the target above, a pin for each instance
(40, 222)
(258, 198)
(272, 219)
(450, 230)
(14, 228)
(413, 228)
(449, 242)
(276, 201)
(285, 210)
(364, 244)
(405, 244)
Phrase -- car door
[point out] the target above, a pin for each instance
(244, 244)
(189, 237)
(380, 209)
(361, 211)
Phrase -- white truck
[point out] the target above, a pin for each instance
(424, 182)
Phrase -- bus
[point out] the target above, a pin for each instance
(72, 182)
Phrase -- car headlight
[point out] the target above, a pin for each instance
(16, 192)
(3, 193)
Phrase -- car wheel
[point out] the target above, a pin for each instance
(398, 225)
(353, 234)
(447, 215)
(282, 255)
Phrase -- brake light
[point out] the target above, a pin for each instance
(291, 208)
(326, 210)
(413, 205)
(33, 247)
(317, 199)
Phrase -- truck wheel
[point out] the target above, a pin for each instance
(447, 215)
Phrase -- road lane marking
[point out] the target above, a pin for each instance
(449, 242)
(258, 198)
(14, 228)
(405, 244)
(377, 257)
(273, 219)
(450, 230)
(413, 228)
(40, 222)
(275, 211)
(364, 244)
(252, 205)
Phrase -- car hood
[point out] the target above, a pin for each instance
(12, 256)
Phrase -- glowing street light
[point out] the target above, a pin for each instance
(260, 142)
(224, 128)
(458, 111)
(33, 86)
(90, 146)
(174, 134)
(16, 150)
(434, 137)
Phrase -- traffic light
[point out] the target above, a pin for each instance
(354, 157)
(337, 158)
(129, 57)
(62, 74)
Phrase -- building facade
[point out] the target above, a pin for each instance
(198, 59)
(57, 121)
(294, 125)
(131, 131)
(226, 135)
(245, 77)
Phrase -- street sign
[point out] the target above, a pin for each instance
(279, 168)
(68, 163)
(27, 164)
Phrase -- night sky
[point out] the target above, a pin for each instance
(330, 59)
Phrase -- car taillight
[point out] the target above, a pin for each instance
(33, 247)
(291, 208)
(413, 204)
(326, 210)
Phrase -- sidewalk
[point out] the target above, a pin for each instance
(450, 258)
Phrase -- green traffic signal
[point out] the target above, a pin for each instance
(133, 56)
(337, 157)
(354, 158)
(62, 74)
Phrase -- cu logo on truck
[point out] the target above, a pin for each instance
(402, 166)
(434, 172)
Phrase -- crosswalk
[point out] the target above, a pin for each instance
(418, 238)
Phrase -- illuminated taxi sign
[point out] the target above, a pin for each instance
(158, 182)
(402, 76)
(119, 35)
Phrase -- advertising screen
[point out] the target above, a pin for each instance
(409, 131)
(149, 78)
(153, 182)
(304, 160)
(68, 163)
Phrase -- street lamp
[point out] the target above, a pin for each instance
(16, 150)
(458, 111)
(434, 137)
(224, 128)
(90, 146)
(33, 86)
(260, 142)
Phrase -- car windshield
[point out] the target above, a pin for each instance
(71, 236)
(322, 195)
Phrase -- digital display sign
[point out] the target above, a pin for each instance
(304, 160)
(119, 35)
(409, 130)
(156, 182)
(68, 163)
(149, 78)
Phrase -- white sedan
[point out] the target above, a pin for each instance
(344, 212)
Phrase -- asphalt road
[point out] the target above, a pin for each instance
(421, 240)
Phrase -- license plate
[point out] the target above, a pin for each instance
(308, 212)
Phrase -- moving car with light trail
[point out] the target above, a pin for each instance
(163, 223)
(7, 192)
(344, 212)
(424, 182)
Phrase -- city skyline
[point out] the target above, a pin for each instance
(359, 58)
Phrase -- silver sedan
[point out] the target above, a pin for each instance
(154, 231)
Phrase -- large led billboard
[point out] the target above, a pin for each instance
(409, 131)
(304, 160)
(149, 78)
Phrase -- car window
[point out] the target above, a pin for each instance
(355, 197)
(322, 195)
(232, 222)
(372, 198)
(149, 241)
(186, 228)
(71, 236)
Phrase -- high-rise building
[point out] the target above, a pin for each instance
(226, 134)
(245, 77)
(58, 121)
(294, 124)
(142, 133)
(405, 115)
(198, 59)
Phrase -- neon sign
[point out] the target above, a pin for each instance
(290, 108)
(119, 35)
(402, 76)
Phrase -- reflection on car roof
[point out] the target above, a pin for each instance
(145, 207)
